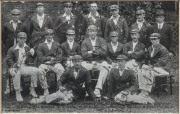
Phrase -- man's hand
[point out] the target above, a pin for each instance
(31, 51)
(90, 52)
(114, 64)
(53, 59)
(130, 52)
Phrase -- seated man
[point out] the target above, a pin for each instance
(71, 85)
(121, 79)
(49, 55)
(158, 59)
(134, 49)
(70, 47)
(17, 58)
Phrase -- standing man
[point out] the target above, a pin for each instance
(94, 18)
(70, 47)
(144, 27)
(65, 22)
(11, 29)
(49, 55)
(116, 23)
(17, 58)
(163, 29)
(39, 23)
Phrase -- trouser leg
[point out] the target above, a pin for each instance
(58, 69)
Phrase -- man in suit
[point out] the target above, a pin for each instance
(144, 27)
(163, 29)
(134, 49)
(49, 55)
(11, 29)
(116, 23)
(70, 85)
(121, 79)
(94, 18)
(38, 24)
(65, 22)
(17, 59)
(70, 47)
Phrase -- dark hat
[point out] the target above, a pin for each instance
(49, 31)
(76, 57)
(15, 12)
(140, 11)
(68, 4)
(133, 31)
(159, 12)
(22, 34)
(40, 4)
(70, 31)
(114, 7)
(155, 35)
(122, 57)
(114, 33)
(92, 27)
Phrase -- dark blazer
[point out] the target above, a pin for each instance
(100, 24)
(37, 33)
(138, 53)
(76, 49)
(44, 54)
(100, 49)
(121, 28)
(161, 56)
(76, 84)
(8, 33)
(13, 56)
(166, 34)
(117, 83)
(144, 33)
(62, 26)
(111, 55)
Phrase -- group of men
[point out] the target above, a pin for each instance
(106, 47)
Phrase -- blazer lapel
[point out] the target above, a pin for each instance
(36, 20)
(156, 50)
(44, 21)
(113, 24)
(89, 43)
(131, 46)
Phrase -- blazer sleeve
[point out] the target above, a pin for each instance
(106, 31)
(126, 31)
(84, 51)
(4, 34)
(41, 56)
(102, 49)
(10, 60)
(163, 59)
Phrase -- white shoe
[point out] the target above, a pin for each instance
(46, 92)
(19, 97)
(33, 93)
(97, 92)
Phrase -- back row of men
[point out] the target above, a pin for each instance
(40, 22)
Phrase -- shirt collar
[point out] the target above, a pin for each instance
(161, 23)
(13, 21)
(116, 17)
(90, 15)
(113, 44)
(17, 46)
(38, 16)
(48, 42)
(64, 15)
(134, 42)
(70, 42)
(94, 39)
(139, 22)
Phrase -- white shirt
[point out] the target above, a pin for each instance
(121, 72)
(93, 18)
(40, 20)
(160, 25)
(75, 73)
(114, 47)
(152, 53)
(134, 45)
(49, 44)
(21, 53)
(70, 44)
(68, 17)
(93, 42)
(115, 20)
(140, 24)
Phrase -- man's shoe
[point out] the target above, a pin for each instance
(97, 92)
(19, 97)
(33, 93)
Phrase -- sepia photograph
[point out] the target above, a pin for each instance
(89, 56)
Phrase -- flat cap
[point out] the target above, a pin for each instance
(133, 31)
(159, 12)
(70, 31)
(92, 27)
(49, 31)
(114, 7)
(140, 11)
(155, 35)
(76, 57)
(68, 4)
(22, 34)
(15, 12)
(122, 57)
(39, 4)
(114, 33)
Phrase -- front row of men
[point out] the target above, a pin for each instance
(96, 54)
